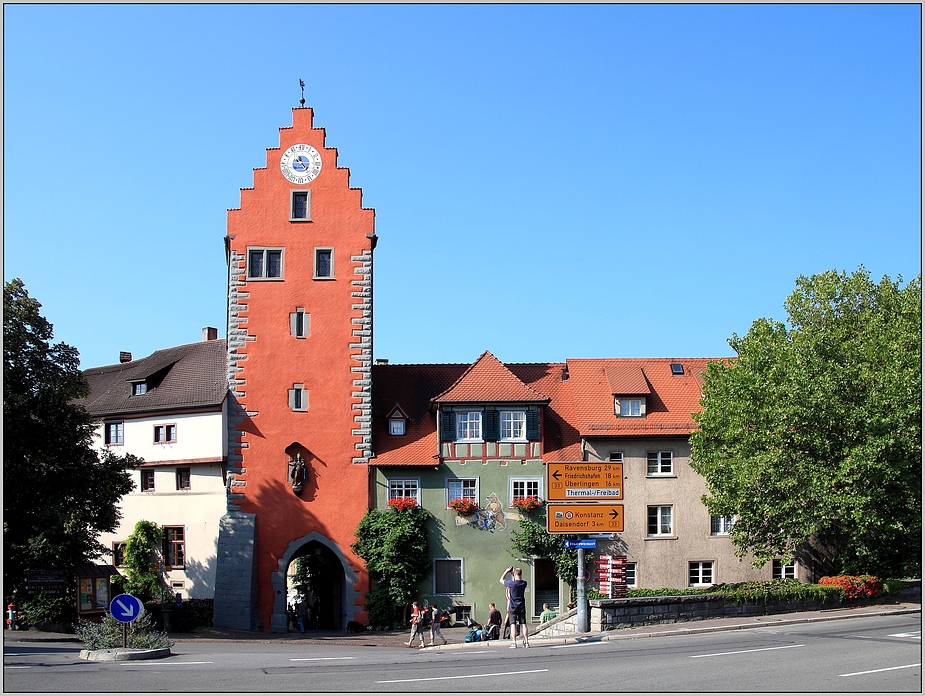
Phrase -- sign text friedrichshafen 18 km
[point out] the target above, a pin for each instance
(571, 481)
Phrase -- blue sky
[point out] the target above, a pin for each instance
(550, 181)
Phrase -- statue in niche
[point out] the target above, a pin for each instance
(297, 471)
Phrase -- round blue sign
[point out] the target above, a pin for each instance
(126, 608)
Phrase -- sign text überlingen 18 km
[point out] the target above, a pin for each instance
(587, 481)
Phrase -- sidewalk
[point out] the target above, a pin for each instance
(456, 636)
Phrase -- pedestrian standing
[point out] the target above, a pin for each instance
(417, 617)
(516, 605)
(302, 613)
(435, 625)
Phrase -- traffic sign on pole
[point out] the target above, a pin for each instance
(583, 518)
(575, 481)
(126, 608)
(580, 543)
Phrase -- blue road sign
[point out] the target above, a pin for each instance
(581, 544)
(126, 607)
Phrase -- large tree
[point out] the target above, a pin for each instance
(58, 492)
(812, 436)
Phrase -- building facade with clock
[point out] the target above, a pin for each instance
(300, 256)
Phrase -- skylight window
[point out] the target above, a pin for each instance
(677, 369)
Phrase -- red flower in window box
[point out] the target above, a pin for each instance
(525, 505)
(402, 504)
(464, 506)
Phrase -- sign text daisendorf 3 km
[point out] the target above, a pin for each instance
(584, 481)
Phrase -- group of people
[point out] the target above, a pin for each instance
(419, 617)
(514, 588)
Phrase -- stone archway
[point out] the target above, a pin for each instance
(337, 595)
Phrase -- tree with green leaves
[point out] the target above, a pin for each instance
(59, 492)
(811, 438)
(393, 543)
(140, 558)
(533, 540)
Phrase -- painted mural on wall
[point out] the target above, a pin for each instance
(489, 518)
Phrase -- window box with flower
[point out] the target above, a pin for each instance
(464, 506)
(402, 504)
(525, 505)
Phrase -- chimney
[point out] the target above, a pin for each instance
(382, 361)
(209, 333)
(125, 356)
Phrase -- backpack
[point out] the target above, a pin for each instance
(472, 636)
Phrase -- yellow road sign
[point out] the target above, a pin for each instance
(573, 481)
(584, 518)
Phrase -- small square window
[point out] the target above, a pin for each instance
(659, 521)
(462, 488)
(720, 525)
(781, 570)
(147, 480)
(164, 434)
(113, 433)
(139, 388)
(298, 397)
(183, 479)
(396, 426)
(264, 263)
(700, 573)
(405, 488)
(300, 208)
(630, 408)
(525, 487)
(324, 263)
(660, 464)
(616, 457)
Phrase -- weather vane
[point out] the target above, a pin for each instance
(302, 100)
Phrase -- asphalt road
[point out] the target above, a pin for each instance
(863, 654)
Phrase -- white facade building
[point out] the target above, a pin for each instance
(170, 410)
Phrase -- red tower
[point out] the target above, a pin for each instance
(300, 259)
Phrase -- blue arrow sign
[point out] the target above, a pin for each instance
(126, 608)
(581, 544)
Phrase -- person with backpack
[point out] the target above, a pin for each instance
(417, 618)
(516, 605)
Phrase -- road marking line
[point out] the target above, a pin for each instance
(738, 652)
(309, 659)
(12, 667)
(885, 669)
(137, 663)
(462, 676)
(911, 634)
(577, 645)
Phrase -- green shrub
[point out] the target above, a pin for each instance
(107, 634)
(47, 609)
(787, 590)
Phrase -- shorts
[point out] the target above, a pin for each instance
(518, 616)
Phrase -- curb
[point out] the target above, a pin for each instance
(614, 635)
(119, 654)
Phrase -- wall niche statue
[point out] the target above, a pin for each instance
(298, 472)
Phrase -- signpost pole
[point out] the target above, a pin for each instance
(582, 595)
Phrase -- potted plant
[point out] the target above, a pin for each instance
(525, 505)
(464, 506)
(402, 504)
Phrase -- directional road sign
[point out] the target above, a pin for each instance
(126, 608)
(581, 543)
(563, 518)
(574, 481)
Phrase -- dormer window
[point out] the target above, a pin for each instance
(629, 407)
(396, 426)
(513, 425)
(139, 388)
(468, 425)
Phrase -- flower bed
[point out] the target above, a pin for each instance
(855, 586)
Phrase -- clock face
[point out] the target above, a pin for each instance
(300, 163)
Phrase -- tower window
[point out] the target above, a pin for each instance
(300, 207)
(264, 263)
(324, 263)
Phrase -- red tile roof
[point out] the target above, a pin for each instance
(626, 379)
(487, 381)
(669, 403)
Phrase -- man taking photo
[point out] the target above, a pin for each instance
(516, 606)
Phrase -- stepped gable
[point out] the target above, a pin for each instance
(489, 381)
(670, 399)
(412, 388)
(186, 376)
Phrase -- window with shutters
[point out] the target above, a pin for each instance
(513, 425)
(448, 576)
(468, 425)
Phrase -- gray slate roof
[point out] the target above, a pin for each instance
(189, 376)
